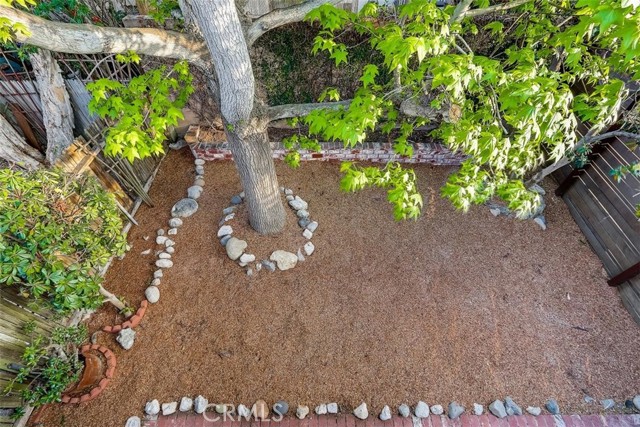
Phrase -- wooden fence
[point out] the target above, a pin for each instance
(605, 210)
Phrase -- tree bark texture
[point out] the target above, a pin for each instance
(14, 149)
(57, 114)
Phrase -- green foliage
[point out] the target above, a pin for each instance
(56, 231)
(161, 9)
(49, 365)
(142, 111)
(75, 10)
(510, 107)
(8, 28)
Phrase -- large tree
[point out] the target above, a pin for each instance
(509, 103)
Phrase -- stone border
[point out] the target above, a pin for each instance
(236, 248)
(132, 322)
(111, 368)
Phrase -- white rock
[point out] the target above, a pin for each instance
(541, 221)
(133, 422)
(404, 410)
(229, 217)
(285, 260)
(200, 404)
(243, 411)
(152, 294)
(184, 208)
(534, 410)
(307, 234)
(169, 408)
(155, 282)
(160, 232)
(224, 230)
(321, 409)
(247, 258)
(636, 402)
(332, 408)
(386, 413)
(194, 192)
(152, 407)
(164, 263)
(302, 412)
(361, 411)
(161, 239)
(175, 222)
(478, 409)
(172, 231)
(199, 181)
(170, 250)
(147, 252)
(186, 403)
(300, 256)
(199, 170)
(126, 338)
(309, 248)
(297, 203)
(169, 243)
(437, 410)
(164, 255)
(199, 162)
(288, 192)
(157, 274)
(302, 213)
(312, 226)
(421, 410)
(235, 247)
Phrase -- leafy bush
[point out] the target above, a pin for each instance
(56, 231)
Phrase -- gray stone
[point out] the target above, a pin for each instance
(186, 403)
(302, 411)
(404, 410)
(152, 407)
(302, 213)
(332, 408)
(304, 222)
(495, 211)
(236, 200)
(164, 255)
(147, 252)
(541, 221)
(385, 414)
(512, 407)
(636, 402)
(200, 404)
(361, 411)
(184, 208)
(321, 409)
(224, 230)
(229, 217)
(478, 409)
(258, 266)
(608, 404)
(283, 259)
(230, 209)
(172, 231)
(133, 422)
(589, 399)
(194, 192)
(178, 145)
(497, 408)
(249, 272)
(169, 408)
(421, 410)
(152, 294)
(289, 198)
(161, 239)
(199, 181)
(298, 204)
(307, 234)
(170, 250)
(309, 248)
(552, 406)
(244, 412)
(534, 410)
(160, 232)
(312, 226)
(126, 338)
(536, 188)
(199, 162)
(199, 170)
(164, 263)
(628, 404)
(175, 222)
(269, 265)
(437, 409)
(225, 239)
(247, 258)
(155, 282)
(235, 247)
(300, 256)
(455, 410)
(288, 192)
(157, 274)
(169, 243)
(281, 407)
(241, 195)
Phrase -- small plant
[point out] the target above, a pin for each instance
(50, 365)
(56, 231)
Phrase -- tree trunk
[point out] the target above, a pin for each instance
(14, 149)
(220, 26)
(254, 160)
(56, 107)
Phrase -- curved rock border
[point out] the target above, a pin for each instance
(280, 259)
(111, 368)
(131, 322)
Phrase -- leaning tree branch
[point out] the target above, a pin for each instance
(472, 13)
(280, 17)
(287, 111)
(86, 39)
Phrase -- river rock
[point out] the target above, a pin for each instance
(288, 191)
(455, 410)
(478, 409)
(184, 208)
(169, 408)
(199, 162)
(302, 411)
(170, 250)
(361, 411)
(225, 230)
(298, 204)
(200, 404)
(175, 222)
(157, 274)
(161, 239)
(307, 234)
(152, 407)
(302, 213)
(281, 407)
(309, 248)
(160, 232)
(421, 410)
(283, 259)
(437, 409)
(332, 408)
(147, 252)
(199, 170)
(152, 294)
(304, 222)
(312, 226)
(607, 404)
(404, 410)
(552, 407)
(636, 402)
(168, 243)
(321, 409)
(244, 412)
(194, 192)
(534, 410)
(236, 200)
(225, 239)
(268, 265)
(126, 338)
(164, 255)
(235, 247)
(385, 414)
(172, 231)
(133, 422)
(300, 256)
(186, 403)
(199, 182)
(230, 209)
(247, 258)
(164, 263)
(497, 408)
(512, 407)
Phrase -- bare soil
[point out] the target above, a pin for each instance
(453, 306)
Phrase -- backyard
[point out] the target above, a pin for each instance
(452, 306)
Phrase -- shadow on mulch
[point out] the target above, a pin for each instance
(453, 306)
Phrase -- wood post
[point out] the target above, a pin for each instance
(14, 149)
(625, 275)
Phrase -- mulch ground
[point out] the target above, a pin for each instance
(453, 306)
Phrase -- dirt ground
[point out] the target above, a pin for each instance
(453, 306)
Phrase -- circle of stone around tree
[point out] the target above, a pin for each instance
(279, 259)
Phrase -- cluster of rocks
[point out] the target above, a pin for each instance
(260, 409)
(182, 209)
(279, 259)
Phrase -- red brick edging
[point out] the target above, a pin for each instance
(111, 368)
(132, 322)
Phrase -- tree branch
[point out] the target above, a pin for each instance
(85, 39)
(281, 17)
(287, 111)
(495, 8)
